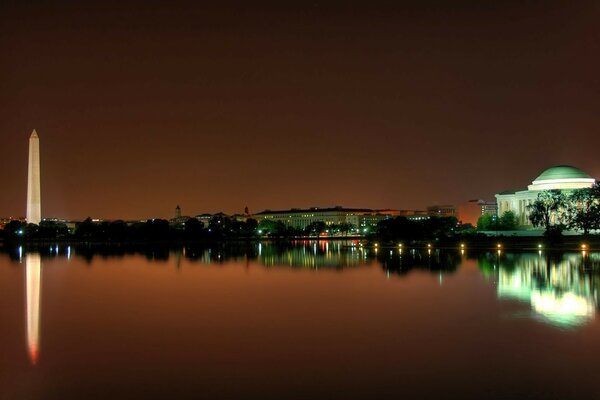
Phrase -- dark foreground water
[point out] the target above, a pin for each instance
(318, 320)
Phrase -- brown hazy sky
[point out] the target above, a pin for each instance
(141, 106)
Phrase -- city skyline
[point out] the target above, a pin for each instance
(143, 107)
(34, 214)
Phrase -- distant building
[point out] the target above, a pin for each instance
(204, 219)
(240, 217)
(561, 177)
(470, 212)
(360, 218)
(414, 215)
(441, 211)
(178, 219)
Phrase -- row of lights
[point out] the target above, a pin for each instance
(584, 247)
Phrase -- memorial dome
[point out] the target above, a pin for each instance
(562, 177)
(562, 172)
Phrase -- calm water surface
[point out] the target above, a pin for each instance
(315, 320)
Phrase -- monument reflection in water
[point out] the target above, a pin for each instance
(561, 289)
(33, 279)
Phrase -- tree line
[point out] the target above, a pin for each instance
(489, 222)
(556, 210)
(219, 227)
(278, 229)
(402, 229)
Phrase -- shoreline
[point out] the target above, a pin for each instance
(504, 243)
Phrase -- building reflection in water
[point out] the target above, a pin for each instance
(304, 254)
(33, 278)
(562, 290)
(312, 255)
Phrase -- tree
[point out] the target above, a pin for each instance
(344, 228)
(276, 229)
(52, 229)
(14, 229)
(250, 227)
(399, 228)
(267, 227)
(508, 221)
(220, 225)
(86, 229)
(488, 222)
(548, 211)
(439, 227)
(315, 228)
(584, 209)
(156, 229)
(193, 229)
(484, 222)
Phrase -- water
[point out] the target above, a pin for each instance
(314, 320)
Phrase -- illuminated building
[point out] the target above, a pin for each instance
(34, 202)
(301, 218)
(204, 218)
(561, 177)
(414, 215)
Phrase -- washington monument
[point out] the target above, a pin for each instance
(34, 200)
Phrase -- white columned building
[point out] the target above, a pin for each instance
(560, 177)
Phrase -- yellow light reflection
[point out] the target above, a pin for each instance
(33, 277)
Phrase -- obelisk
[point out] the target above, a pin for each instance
(34, 201)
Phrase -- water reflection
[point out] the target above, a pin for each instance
(33, 279)
(402, 261)
(562, 289)
(305, 254)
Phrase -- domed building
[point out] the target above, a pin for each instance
(562, 177)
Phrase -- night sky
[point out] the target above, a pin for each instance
(143, 106)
